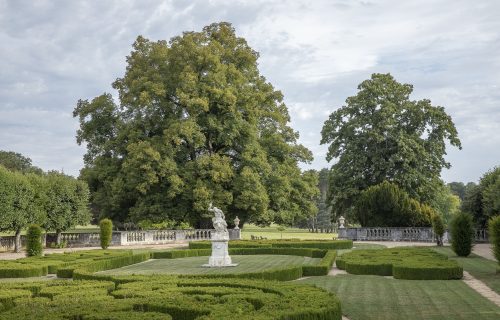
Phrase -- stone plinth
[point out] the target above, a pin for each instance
(220, 255)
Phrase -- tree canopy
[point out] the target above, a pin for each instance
(17, 162)
(381, 134)
(196, 123)
(386, 205)
(482, 201)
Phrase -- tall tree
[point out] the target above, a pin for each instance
(386, 205)
(482, 201)
(446, 203)
(380, 134)
(67, 203)
(197, 123)
(17, 204)
(458, 188)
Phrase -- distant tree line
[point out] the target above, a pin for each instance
(53, 200)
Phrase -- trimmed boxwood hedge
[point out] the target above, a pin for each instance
(402, 263)
(166, 297)
(50, 264)
(317, 244)
(282, 274)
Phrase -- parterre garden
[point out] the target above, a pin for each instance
(109, 285)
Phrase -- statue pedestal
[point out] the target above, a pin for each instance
(220, 256)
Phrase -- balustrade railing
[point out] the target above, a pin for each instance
(124, 238)
(401, 234)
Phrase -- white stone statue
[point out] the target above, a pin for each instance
(220, 224)
(220, 256)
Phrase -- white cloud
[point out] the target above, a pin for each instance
(316, 52)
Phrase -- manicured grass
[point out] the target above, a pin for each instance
(479, 267)
(193, 265)
(379, 298)
(410, 263)
(272, 232)
(360, 246)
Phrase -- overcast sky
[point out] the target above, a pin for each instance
(53, 53)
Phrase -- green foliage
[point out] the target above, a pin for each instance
(482, 201)
(445, 203)
(380, 134)
(438, 228)
(34, 241)
(462, 234)
(196, 124)
(316, 244)
(402, 263)
(167, 297)
(17, 162)
(18, 203)
(386, 205)
(106, 234)
(494, 236)
(67, 202)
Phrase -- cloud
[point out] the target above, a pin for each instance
(315, 52)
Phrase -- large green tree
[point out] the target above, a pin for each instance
(66, 203)
(482, 201)
(386, 205)
(196, 123)
(381, 134)
(17, 204)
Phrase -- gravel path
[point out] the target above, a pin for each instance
(484, 250)
(481, 288)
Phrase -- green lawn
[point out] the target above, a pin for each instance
(193, 265)
(479, 267)
(376, 297)
(272, 232)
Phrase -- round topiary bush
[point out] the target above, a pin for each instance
(494, 235)
(34, 241)
(462, 234)
(106, 227)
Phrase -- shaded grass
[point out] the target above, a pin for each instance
(193, 265)
(374, 297)
(479, 267)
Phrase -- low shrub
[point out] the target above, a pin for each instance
(34, 241)
(291, 243)
(462, 234)
(494, 235)
(106, 234)
(167, 297)
(18, 270)
(402, 263)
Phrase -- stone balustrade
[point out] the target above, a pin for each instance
(400, 234)
(125, 238)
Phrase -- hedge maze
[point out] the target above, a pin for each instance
(402, 263)
(250, 295)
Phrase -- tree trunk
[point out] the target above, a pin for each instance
(17, 242)
(58, 238)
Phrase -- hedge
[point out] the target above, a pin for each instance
(34, 241)
(317, 244)
(402, 263)
(166, 297)
(281, 274)
(41, 266)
